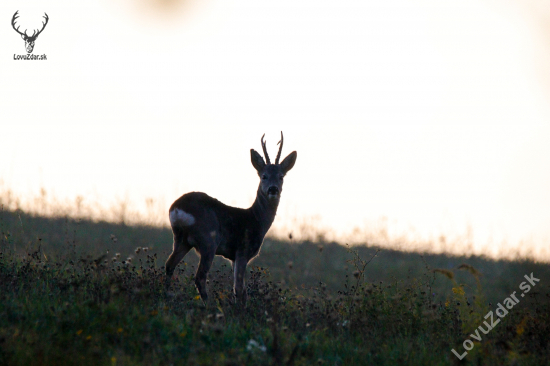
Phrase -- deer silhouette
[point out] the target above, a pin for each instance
(212, 228)
(29, 40)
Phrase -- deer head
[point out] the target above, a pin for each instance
(272, 175)
(29, 40)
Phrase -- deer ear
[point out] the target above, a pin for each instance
(257, 160)
(288, 162)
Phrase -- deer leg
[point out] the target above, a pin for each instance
(207, 257)
(239, 271)
(181, 248)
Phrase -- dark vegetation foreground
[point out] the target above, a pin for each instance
(83, 293)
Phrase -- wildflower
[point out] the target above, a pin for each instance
(79, 332)
(138, 249)
(117, 255)
(458, 290)
(521, 326)
(120, 330)
(290, 264)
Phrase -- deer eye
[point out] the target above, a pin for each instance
(264, 177)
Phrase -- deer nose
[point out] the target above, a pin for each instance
(273, 190)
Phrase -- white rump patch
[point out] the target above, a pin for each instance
(181, 217)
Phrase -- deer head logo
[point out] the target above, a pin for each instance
(29, 40)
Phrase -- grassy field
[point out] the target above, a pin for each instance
(79, 292)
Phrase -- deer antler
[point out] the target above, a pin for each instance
(280, 149)
(34, 33)
(265, 150)
(15, 16)
(43, 25)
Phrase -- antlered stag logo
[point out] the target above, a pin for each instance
(29, 40)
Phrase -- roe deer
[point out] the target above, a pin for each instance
(213, 228)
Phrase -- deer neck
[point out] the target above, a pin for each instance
(264, 211)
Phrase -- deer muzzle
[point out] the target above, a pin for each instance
(273, 192)
(29, 46)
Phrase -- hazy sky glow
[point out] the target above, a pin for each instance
(433, 115)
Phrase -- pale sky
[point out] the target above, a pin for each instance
(425, 118)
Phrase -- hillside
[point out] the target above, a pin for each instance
(69, 295)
